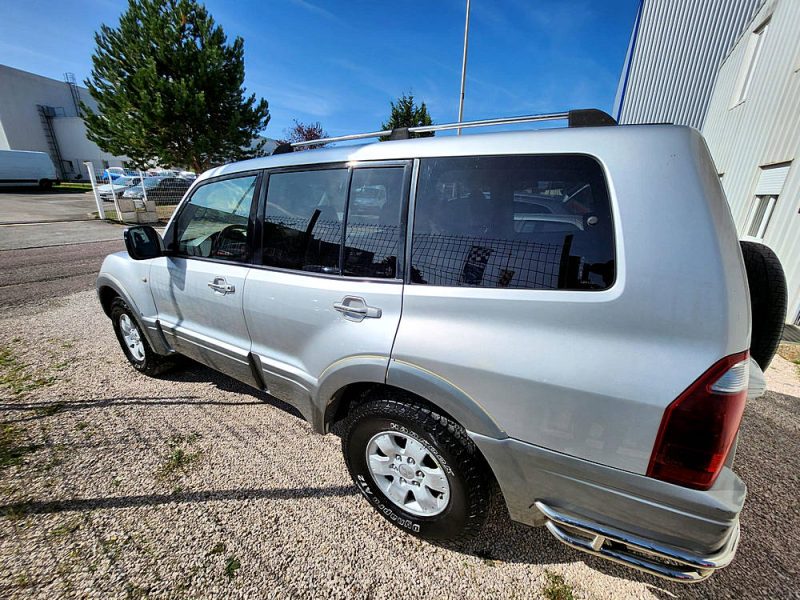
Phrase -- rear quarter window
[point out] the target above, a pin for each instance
(529, 222)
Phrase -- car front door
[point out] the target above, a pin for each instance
(327, 295)
(198, 287)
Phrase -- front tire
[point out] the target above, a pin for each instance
(133, 342)
(418, 469)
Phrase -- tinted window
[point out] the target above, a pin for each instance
(214, 223)
(536, 222)
(373, 222)
(303, 221)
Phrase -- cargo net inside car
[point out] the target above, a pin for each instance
(370, 249)
(482, 262)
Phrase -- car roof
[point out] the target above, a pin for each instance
(577, 140)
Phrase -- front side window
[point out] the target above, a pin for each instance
(531, 222)
(214, 223)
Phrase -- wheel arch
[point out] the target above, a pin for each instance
(108, 289)
(422, 385)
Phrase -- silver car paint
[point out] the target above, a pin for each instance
(198, 321)
(583, 376)
(301, 340)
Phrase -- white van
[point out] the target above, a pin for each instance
(24, 168)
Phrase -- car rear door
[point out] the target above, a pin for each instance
(326, 299)
(198, 287)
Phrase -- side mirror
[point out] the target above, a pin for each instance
(143, 242)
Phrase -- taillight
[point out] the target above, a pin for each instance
(699, 427)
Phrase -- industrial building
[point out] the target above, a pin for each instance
(730, 68)
(43, 114)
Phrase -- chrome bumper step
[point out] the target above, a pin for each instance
(632, 551)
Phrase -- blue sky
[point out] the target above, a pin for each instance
(341, 63)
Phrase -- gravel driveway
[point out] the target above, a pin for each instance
(116, 485)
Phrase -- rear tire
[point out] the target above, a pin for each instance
(437, 486)
(133, 342)
(768, 300)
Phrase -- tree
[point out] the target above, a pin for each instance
(304, 132)
(169, 89)
(405, 113)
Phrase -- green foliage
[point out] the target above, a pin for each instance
(15, 375)
(232, 564)
(406, 113)
(169, 89)
(12, 446)
(556, 588)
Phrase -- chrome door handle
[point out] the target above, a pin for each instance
(221, 286)
(356, 309)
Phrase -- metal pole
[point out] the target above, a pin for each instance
(101, 211)
(463, 70)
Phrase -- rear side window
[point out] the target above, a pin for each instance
(531, 222)
(303, 222)
(312, 225)
(373, 222)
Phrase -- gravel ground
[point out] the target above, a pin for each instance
(195, 486)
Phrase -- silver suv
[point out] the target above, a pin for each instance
(563, 314)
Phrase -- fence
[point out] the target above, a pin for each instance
(135, 196)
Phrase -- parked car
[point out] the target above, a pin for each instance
(564, 312)
(109, 191)
(113, 173)
(29, 169)
(159, 189)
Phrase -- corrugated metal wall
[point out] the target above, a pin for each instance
(679, 46)
(763, 130)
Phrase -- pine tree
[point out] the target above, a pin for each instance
(405, 113)
(169, 89)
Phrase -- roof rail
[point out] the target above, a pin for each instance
(586, 117)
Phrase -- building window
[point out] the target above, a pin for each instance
(749, 62)
(761, 211)
(769, 187)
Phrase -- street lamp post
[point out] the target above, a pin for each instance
(463, 71)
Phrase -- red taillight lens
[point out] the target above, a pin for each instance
(699, 427)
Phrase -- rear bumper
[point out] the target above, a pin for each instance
(645, 555)
(664, 529)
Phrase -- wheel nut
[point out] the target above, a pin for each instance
(420, 474)
(415, 483)
(410, 460)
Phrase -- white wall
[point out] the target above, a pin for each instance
(670, 69)
(763, 130)
(76, 147)
(21, 126)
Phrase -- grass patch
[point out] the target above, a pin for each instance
(67, 528)
(179, 459)
(49, 410)
(73, 185)
(14, 375)
(218, 548)
(16, 512)
(134, 592)
(232, 564)
(556, 588)
(12, 446)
